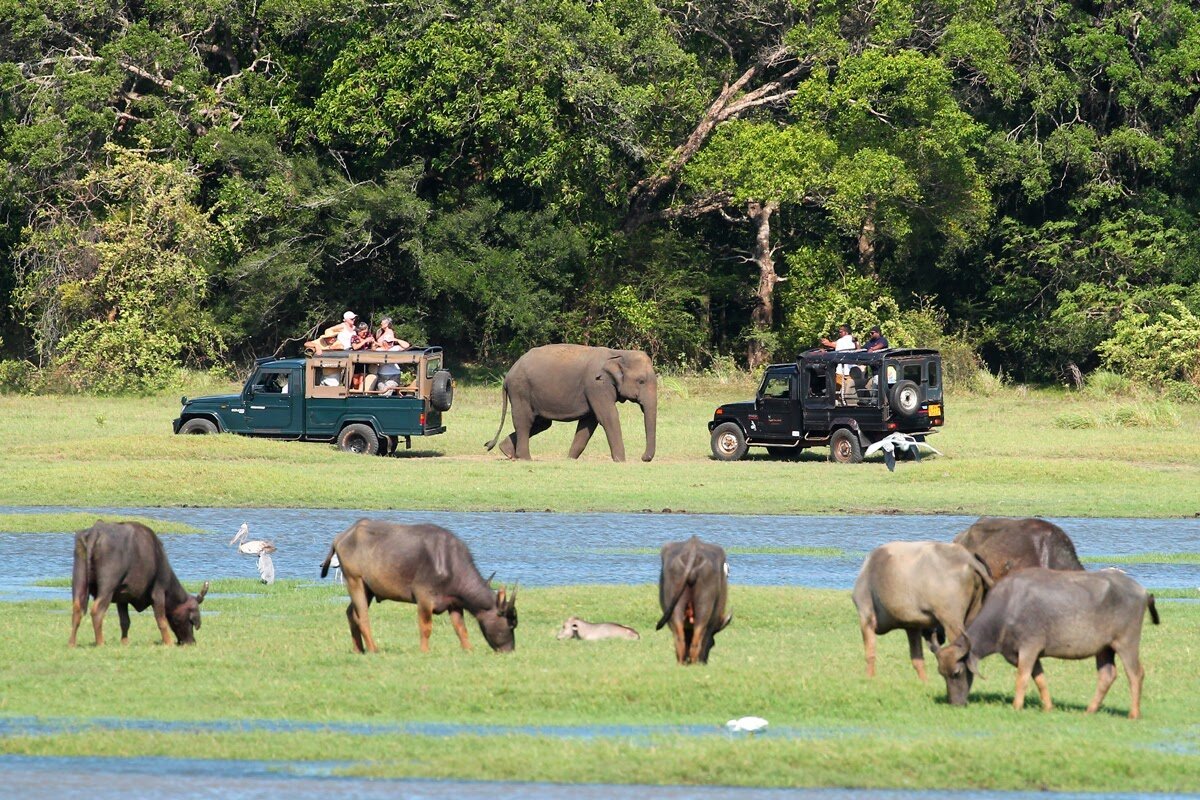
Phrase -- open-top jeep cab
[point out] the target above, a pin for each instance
(341, 396)
(847, 400)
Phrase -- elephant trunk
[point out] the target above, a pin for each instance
(649, 404)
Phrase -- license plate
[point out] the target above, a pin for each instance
(935, 409)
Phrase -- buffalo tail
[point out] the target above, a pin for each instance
(1153, 610)
(326, 562)
(683, 584)
(503, 414)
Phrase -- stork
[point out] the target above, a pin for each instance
(256, 547)
(902, 441)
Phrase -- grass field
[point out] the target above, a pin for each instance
(792, 656)
(1004, 454)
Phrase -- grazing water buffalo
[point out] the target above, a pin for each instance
(1040, 612)
(917, 586)
(692, 589)
(576, 628)
(423, 564)
(125, 562)
(1007, 544)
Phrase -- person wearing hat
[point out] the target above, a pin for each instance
(345, 331)
(877, 341)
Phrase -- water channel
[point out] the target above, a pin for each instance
(544, 549)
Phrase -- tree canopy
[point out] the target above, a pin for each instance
(197, 183)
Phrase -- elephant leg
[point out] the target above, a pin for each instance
(610, 420)
(583, 434)
(539, 424)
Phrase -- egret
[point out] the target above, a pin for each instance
(747, 725)
(899, 441)
(256, 547)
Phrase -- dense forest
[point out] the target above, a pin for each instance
(198, 182)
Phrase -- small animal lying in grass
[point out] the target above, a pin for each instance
(576, 628)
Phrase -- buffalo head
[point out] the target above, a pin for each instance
(959, 666)
(498, 623)
(185, 617)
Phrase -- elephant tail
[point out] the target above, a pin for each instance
(503, 415)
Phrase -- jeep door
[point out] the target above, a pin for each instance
(817, 392)
(777, 413)
(272, 401)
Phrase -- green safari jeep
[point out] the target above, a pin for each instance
(366, 401)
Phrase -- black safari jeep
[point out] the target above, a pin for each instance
(366, 401)
(835, 399)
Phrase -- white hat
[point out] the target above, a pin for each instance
(349, 315)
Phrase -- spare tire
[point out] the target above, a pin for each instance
(441, 394)
(906, 398)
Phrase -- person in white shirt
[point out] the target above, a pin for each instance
(845, 340)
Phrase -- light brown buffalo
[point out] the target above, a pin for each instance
(919, 587)
(1007, 544)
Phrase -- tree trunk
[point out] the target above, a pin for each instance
(866, 242)
(763, 313)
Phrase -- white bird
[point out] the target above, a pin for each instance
(256, 547)
(747, 725)
(337, 567)
(899, 441)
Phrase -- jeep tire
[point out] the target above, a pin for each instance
(198, 426)
(728, 442)
(441, 393)
(844, 447)
(906, 398)
(358, 438)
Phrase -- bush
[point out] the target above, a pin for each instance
(17, 377)
(1103, 384)
(1155, 414)
(102, 357)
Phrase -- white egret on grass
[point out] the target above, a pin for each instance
(899, 441)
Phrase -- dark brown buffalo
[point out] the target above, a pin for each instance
(1040, 612)
(423, 564)
(692, 589)
(1007, 544)
(125, 562)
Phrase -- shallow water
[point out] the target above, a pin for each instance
(67, 778)
(545, 549)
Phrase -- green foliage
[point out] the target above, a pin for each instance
(1160, 414)
(17, 376)
(1155, 347)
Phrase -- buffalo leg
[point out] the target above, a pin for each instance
(1106, 673)
(160, 616)
(99, 608)
(1025, 663)
(360, 602)
(355, 630)
(676, 625)
(697, 651)
(1136, 674)
(583, 434)
(868, 637)
(916, 653)
(424, 624)
(77, 606)
(1039, 680)
(456, 619)
(123, 613)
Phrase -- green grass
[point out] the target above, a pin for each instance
(52, 522)
(1144, 558)
(792, 655)
(1004, 454)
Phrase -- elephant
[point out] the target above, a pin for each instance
(565, 382)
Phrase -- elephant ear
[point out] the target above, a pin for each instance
(612, 366)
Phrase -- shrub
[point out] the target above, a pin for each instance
(1155, 414)
(17, 377)
(1103, 384)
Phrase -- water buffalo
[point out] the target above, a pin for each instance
(692, 589)
(125, 562)
(1006, 544)
(576, 628)
(917, 586)
(423, 564)
(1040, 612)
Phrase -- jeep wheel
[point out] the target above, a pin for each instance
(728, 443)
(906, 398)
(198, 426)
(441, 394)
(358, 438)
(844, 447)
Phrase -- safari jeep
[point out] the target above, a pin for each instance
(846, 400)
(339, 396)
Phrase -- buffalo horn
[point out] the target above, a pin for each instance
(203, 591)
(489, 580)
